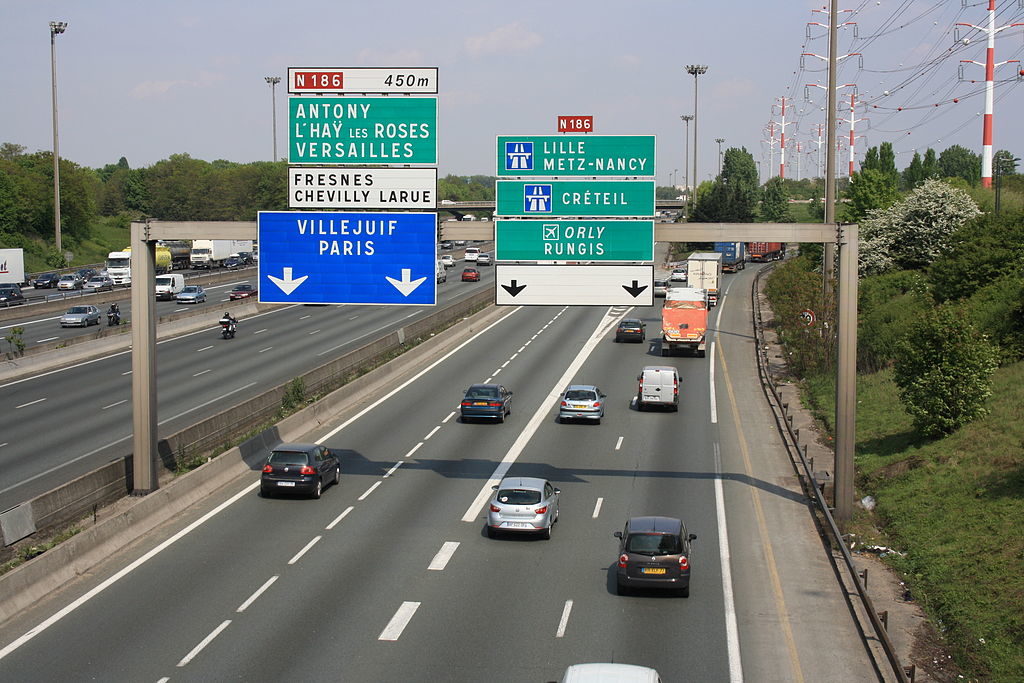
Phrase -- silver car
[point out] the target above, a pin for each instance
(191, 294)
(523, 504)
(80, 316)
(581, 402)
(99, 283)
(70, 281)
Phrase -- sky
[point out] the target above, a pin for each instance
(146, 80)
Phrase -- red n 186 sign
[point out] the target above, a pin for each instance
(575, 124)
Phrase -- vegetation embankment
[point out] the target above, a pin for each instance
(940, 409)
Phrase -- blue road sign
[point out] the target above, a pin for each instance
(519, 156)
(332, 257)
(537, 199)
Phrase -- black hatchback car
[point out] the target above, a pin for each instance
(631, 329)
(654, 552)
(46, 281)
(300, 468)
(10, 294)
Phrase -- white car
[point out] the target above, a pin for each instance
(472, 253)
(448, 261)
(483, 259)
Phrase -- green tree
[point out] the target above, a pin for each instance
(1004, 163)
(980, 252)
(944, 370)
(930, 164)
(734, 194)
(960, 162)
(916, 230)
(775, 201)
(913, 175)
(870, 188)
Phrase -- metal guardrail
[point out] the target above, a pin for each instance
(878, 622)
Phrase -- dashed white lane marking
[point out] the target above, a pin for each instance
(496, 372)
(201, 372)
(369, 491)
(513, 356)
(258, 593)
(48, 339)
(450, 416)
(114, 404)
(302, 552)
(618, 444)
(528, 343)
(303, 317)
(30, 403)
(711, 380)
(521, 349)
(340, 517)
(506, 363)
(440, 560)
(432, 432)
(564, 621)
(393, 631)
(488, 380)
(206, 641)
(126, 373)
(314, 331)
(260, 331)
(205, 348)
(392, 470)
(4, 444)
(597, 508)
(266, 349)
(163, 680)
(416, 447)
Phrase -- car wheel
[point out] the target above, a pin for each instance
(491, 533)
(701, 354)
(684, 592)
(337, 474)
(597, 421)
(264, 493)
(559, 420)
(617, 339)
(501, 418)
(675, 407)
(319, 488)
(546, 534)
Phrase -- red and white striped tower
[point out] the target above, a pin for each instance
(782, 138)
(771, 146)
(853, 120)
(820, 142)
(990, 71)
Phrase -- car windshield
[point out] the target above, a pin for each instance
(288, 458)
(653, 544)
(518, 496)
(482, 392)
(98, 278)
(580, 395)
(190, 290)
(243, 288)
(68, 277)
(78, 309)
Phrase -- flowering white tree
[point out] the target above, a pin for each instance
(914, 231)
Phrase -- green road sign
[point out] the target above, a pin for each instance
(362, 130)
(575, 155)
(574, 198)
(582, 240)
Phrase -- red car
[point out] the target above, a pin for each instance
(242, 292)
(471, 275)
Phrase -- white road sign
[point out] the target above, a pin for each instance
(574, 285)
(362, 188)
(358, 80)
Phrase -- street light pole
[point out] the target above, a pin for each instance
(695, 70)
(273, 81)
(686, 157)
(719, 141)
(55, 28)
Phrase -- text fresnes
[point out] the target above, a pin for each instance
(359, 229)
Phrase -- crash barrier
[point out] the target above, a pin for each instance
(81, 497)
(815, 483)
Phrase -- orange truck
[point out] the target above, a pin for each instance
(684, 321)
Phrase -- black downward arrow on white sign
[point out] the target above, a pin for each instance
(514, 289)
(635, 290)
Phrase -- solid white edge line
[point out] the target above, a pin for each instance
(259, 591)
(340, 517)
(597, 508)
(412, 379)
(369, 490)
(603, 326)
(564, 621)
(711, 382)
(443, 555)
(392, 470)
(403, 616)
(732, 636)
(432, 432)
(298, 555)
(203, 643)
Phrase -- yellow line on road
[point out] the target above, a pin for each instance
(780, 600)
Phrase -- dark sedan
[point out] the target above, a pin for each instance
(242, 291)
(46, 281)
(300, 468)
(486, 401)
(630, 329)
(654, 552)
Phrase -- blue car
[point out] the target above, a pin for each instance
(486, 402)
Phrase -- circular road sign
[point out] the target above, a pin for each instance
(807, 317)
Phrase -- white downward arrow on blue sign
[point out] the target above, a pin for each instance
(405, 285)
(286, 283)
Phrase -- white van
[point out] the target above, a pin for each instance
(168, 286)
(472, 253)
(658, 386)
(440, 274)
(609, 673)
